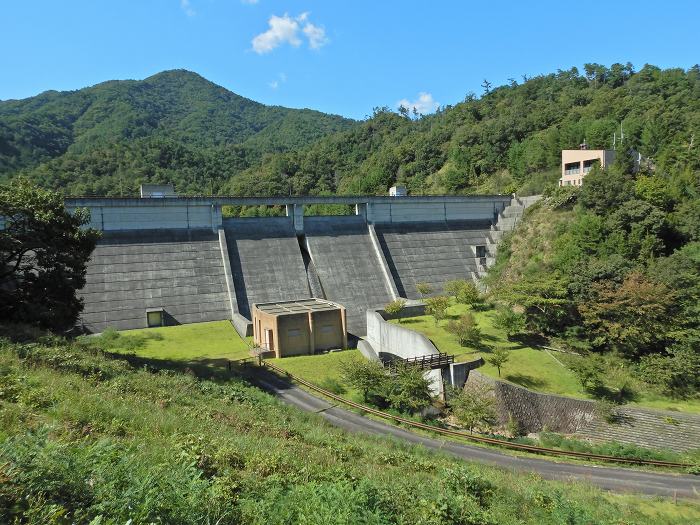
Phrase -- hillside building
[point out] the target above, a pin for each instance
(577, 163)
(304, 327)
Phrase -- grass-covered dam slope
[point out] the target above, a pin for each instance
(90, 438)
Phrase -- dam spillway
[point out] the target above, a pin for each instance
(179, 255)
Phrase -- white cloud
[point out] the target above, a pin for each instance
(287, 30)
(187, 7)
(316, 35)
(283, 29)
(282, 78)
(424, 104)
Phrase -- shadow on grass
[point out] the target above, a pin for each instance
(529, 339)
(205, 368)
(618, 396)
(526, 380)
(218, 370)
(409, 320)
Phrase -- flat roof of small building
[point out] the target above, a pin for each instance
(297, 307)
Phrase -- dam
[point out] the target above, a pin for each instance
(182, 260)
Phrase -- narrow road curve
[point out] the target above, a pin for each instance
(608, 478)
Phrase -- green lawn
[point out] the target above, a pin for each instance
(318, 369)
(187, 342)
(529, 367)
(535, 368)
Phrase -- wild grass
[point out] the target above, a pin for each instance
(88, 438)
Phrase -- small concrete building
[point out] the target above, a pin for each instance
(576, 163)
(303, 327)
(157, 191)
(398, 191)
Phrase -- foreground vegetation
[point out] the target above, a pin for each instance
(86, 438)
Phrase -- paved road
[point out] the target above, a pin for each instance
(609, 478)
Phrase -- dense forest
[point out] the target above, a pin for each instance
(172, 127)
(612, 269)
(180, 128)
(507, 140)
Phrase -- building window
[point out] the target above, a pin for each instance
(572, 168)
(327, 329)
(588, 165)
(481, 251)
(154, 318)
(293, 332)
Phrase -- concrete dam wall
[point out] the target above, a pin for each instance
(434, 252)
(180, 255)
(348, 266)
(180, 271)
(266, 263)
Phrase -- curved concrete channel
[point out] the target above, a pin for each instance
(608, 478)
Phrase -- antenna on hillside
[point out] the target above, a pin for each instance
(622, 134)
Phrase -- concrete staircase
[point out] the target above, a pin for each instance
(507, 221)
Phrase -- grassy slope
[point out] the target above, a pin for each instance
(319, 369)
(82, 435)
(206, 343)
(527, 366)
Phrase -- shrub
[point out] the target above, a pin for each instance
(395, 308)
(437, 307)
(466, 330)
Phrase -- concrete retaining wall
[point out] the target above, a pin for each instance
(655, 429)
(394, 339)
(535, 410)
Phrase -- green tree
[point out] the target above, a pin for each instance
(408, 390)
(677, 372)
(589, 371)
(367, 376)
(466, 330)
(43, 256)
(437, 307)
(474, 406)
(508, 320)
(544, 299)
(395, 308)
(634, 318)
(498, 358)
(464, 292)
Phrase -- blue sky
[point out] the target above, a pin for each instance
(338, 57)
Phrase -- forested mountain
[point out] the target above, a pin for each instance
(508, 139)
(178, 127)
(174, 126)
